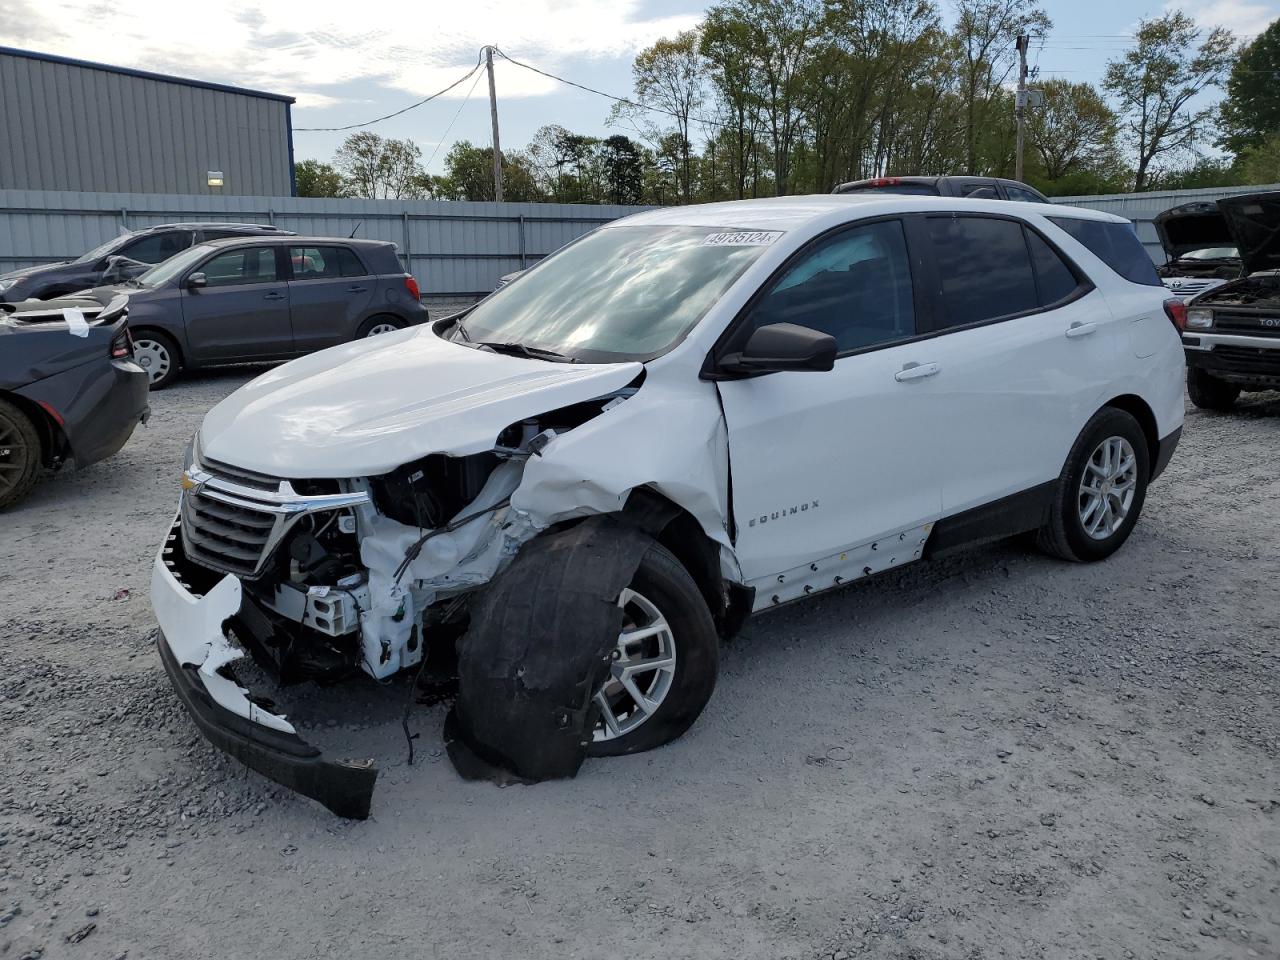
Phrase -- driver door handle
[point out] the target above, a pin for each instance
(916, 371)
(273, 295)
(1079, 329)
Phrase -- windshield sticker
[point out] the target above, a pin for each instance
(76, 325)
(742, 238)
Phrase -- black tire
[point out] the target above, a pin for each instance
(161, 377)
(1064, 535)
(382, 320)
(667, 585)
(20, 454)
(1208, 392)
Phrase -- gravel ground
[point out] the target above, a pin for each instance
(994, 755)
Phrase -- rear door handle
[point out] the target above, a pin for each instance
(1079, 329)
(916, 371)
(273, 296)
(356, 288)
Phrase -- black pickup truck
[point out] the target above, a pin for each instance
(1232, 332)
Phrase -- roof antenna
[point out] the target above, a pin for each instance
(352, 234)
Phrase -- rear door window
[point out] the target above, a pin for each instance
(1054, 277)
(324, 263)
(978, 190)
(1116, 245)
(984, 269)
(1022, 194)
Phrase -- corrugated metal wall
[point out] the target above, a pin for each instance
(452, 247)
(1142, 208)
(69, 126)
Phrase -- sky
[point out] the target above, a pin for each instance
(347, 63)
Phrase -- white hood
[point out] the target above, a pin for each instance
(365, 408)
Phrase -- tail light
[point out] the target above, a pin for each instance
(122, 345)
(886, 181)
(411, 285)
(1176, 310)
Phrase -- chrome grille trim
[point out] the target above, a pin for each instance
(233, 527)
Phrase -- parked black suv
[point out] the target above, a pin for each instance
(264, 299)
(1231, 334)
(119, 259)
(976, 188)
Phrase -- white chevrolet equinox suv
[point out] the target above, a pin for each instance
(567, 495)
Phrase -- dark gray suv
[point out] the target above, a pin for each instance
(120, 258)
(264, 299)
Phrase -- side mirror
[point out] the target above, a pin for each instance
(197, 280)
(783, 346)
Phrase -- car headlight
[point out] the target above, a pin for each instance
(190, 460)
(6, 285)
(1199, 319)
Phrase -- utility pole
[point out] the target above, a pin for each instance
(1019, 103)
(493, 116)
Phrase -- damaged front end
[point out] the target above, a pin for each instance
(331, 578)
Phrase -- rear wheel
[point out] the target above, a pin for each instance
(376, 326)
(1208, 392)
(1100, 491)
(664, 665)
(19, 454)
(157, 354)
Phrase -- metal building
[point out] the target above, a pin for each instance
(74, 125)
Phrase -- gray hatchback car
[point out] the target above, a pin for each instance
(264, 299)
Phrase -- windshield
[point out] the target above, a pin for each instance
(175, 265)
(620, 293)
(102, 249)
(1213, 253)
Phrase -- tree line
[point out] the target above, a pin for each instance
(771, 97)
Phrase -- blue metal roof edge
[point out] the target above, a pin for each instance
(144, 74)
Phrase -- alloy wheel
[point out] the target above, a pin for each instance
(380, 328)
(642, 671)
(13, 455)
(1107, 488)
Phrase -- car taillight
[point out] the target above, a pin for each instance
(122, 345)
(886, 181)
(411, 285)
(1176, 310)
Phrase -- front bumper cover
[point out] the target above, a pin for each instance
(195, 652)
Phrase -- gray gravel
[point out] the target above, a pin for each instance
(995, 755)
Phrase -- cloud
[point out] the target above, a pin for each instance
(309, 51)
(1245, 18)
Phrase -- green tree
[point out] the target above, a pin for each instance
(985, 32)
(1073, 131)
(1250, 114)
(317, 179)
(623, 163)
(469, 175)
(1157, 84)
(377, 168)
(670, 76)
(1260, 164)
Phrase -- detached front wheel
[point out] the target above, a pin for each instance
(664, 666)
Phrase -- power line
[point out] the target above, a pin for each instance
(445, 135)
(353, 126)
(610, 96)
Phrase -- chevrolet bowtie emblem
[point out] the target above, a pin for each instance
(187, 483)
